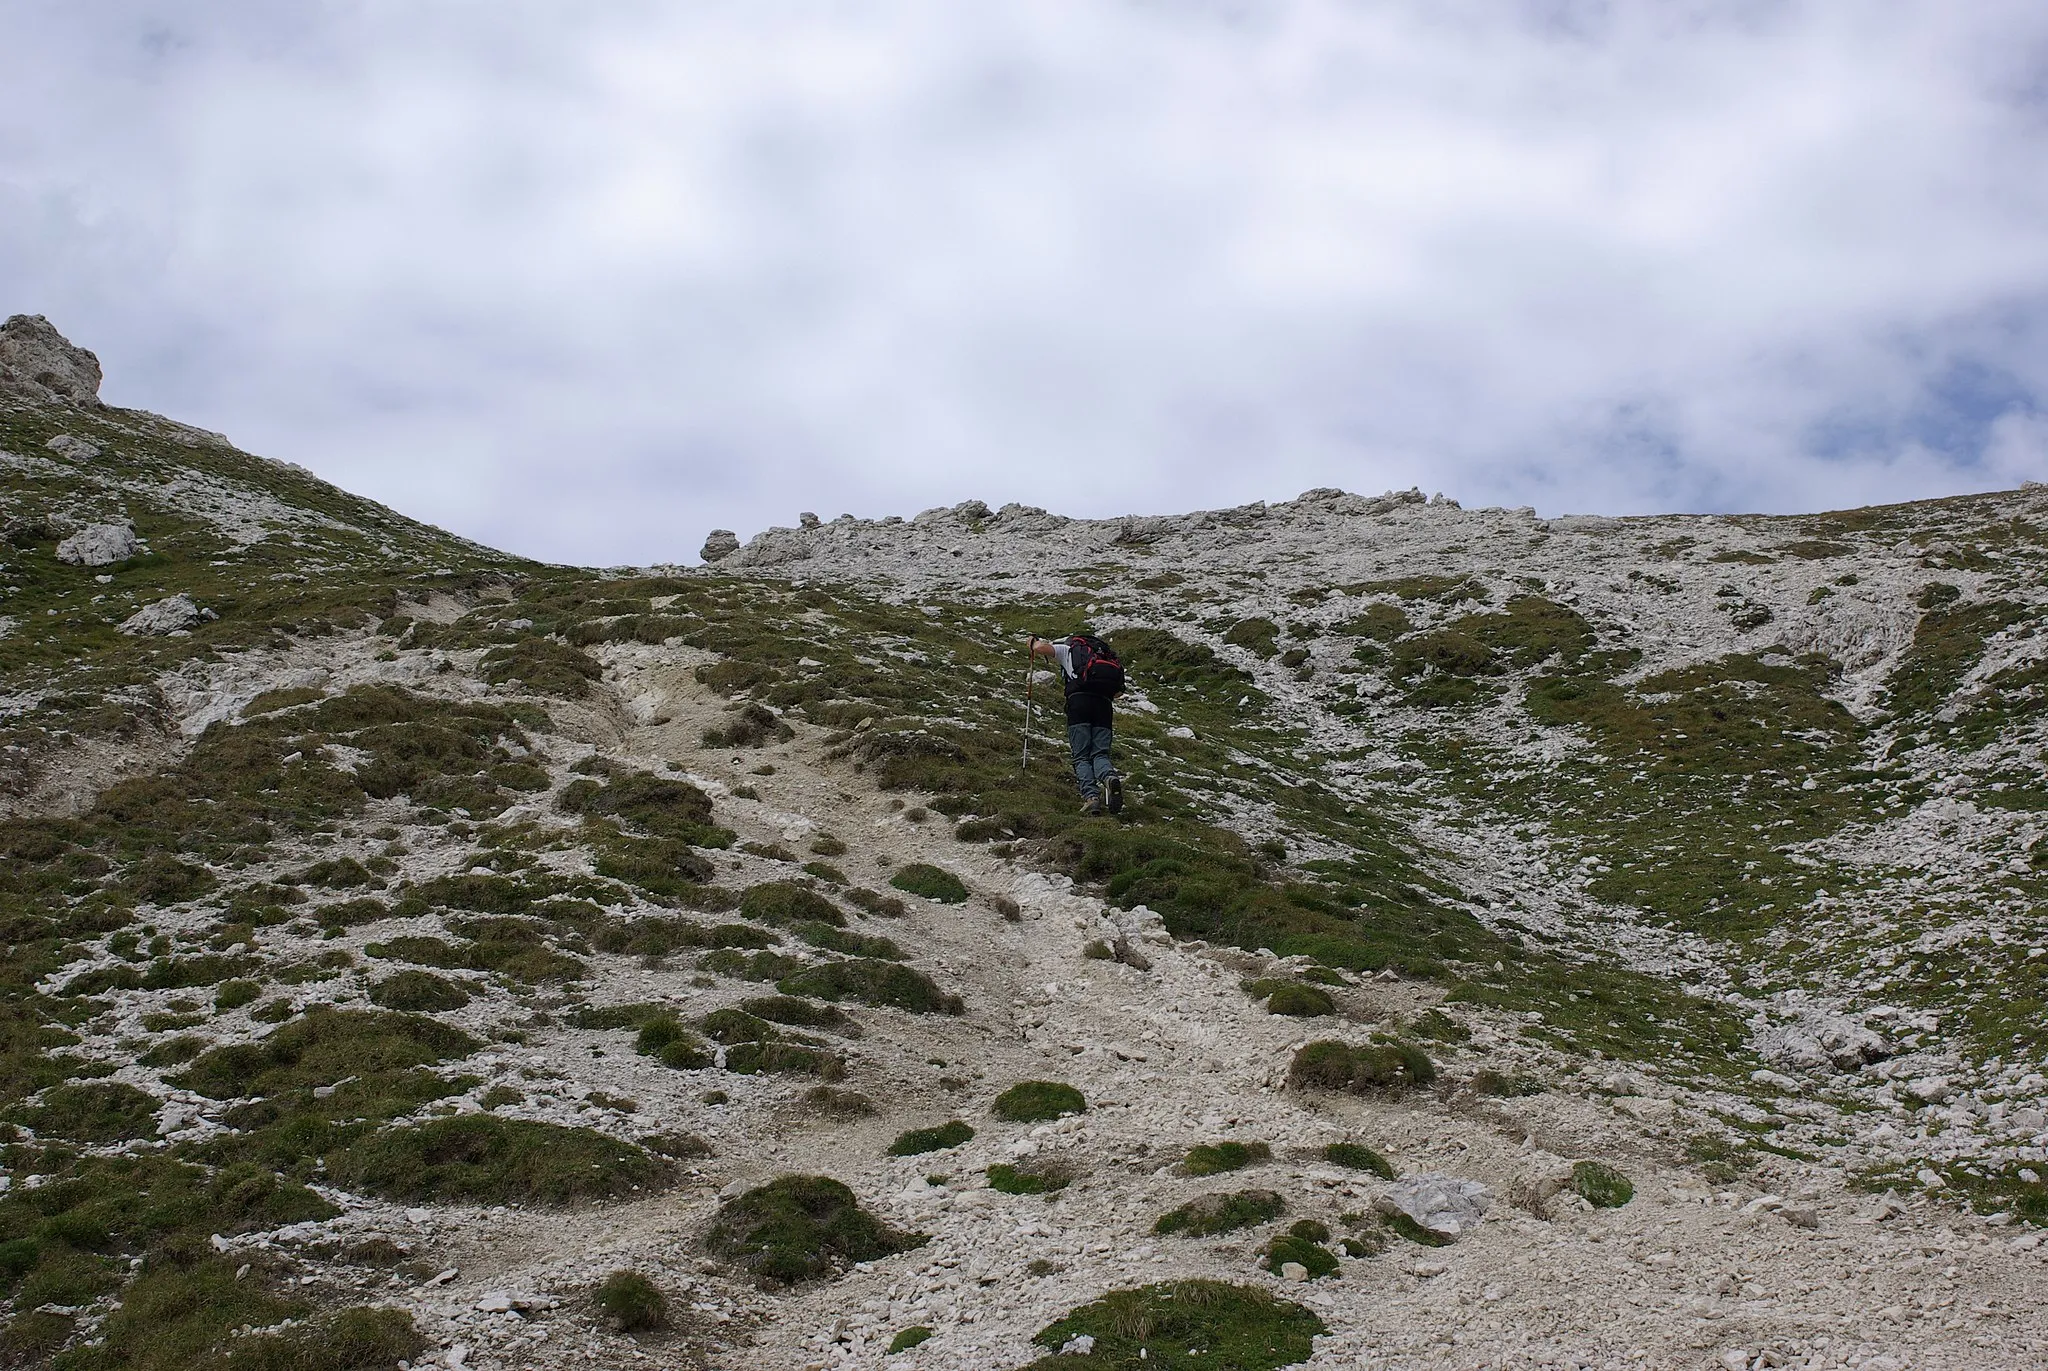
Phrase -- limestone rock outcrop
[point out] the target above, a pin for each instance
(175, 614)
(38, 363)
(98, 545)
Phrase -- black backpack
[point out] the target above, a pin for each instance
(1093, 667)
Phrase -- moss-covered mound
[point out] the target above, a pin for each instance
(784, 902)
(544, 667)
(663, 1037)
(1380, 1066)
(1292, 998)
(1037, 1102)
(1303, 1245)
(481, 1159)
(1196, 1323)
(1359, 1157)
(801, 1228)
(872, 982)
(931, 882)
(1221, 1213)
(1601, 1185)
(1042, 1177)
(917, 1141)
(418, 991)
(630, 1303)
(323, 1048)
(1212, 1159)
(659, 805)
(352, 1340)
(95, 1112)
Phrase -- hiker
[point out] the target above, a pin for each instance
(1092, 678)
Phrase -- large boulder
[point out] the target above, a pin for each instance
(72, 446)
(722, 543)
(174, 615)
(1443, 1205)
(38, 363)
(1813, 1041)
(98, 545)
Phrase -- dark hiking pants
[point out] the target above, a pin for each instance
(1090, 745)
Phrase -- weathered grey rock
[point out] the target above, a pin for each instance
(776, 547)
(722, 543)
(808, 520)
(1444, 1205)
(74, 447)
(98, 545)
(1818, 1043)
(172, 615)
(1930, 1089)
(38, 363)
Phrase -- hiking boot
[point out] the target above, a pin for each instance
(1113, 794)
(1092, 804)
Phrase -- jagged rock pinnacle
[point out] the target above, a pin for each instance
(40, 364)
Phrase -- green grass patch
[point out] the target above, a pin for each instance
(1207, 1215)
(1191, 1323)
(1947, 642)
(1292, 998)
(800, 1013)
(1504, 1085)
(362, 1339)
(663, 1037)
(94, 1113)
(1042, 1177)
(848, 943)
(1307, 1251)
(930, 882)
(481, 1159)
(1212, 1159)
(628, 1302)
(1373, 1067)
(230, 995)
(1601, 1185)
(659, 805)
(872, 982)
(797, 1229)
(755, 966)
(785, 903)
(544, 667)
(1260, 637)
(1038, 1102)
(905, 1339)
(1402, 1226)
(322, 1048)
(1359, 1157)
(418, 992)
(917, 1141)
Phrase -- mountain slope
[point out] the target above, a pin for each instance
(433, 933)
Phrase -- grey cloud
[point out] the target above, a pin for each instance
(585, 281)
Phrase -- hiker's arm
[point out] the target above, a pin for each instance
(1041, 647)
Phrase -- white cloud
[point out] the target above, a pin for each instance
(585, 281)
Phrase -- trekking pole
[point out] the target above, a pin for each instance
(1030, 670)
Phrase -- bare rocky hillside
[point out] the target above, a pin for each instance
(1570, 943)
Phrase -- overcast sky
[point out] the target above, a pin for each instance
(587, 280)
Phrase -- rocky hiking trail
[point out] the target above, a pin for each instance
(1803, 1274)
(1529, 943)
